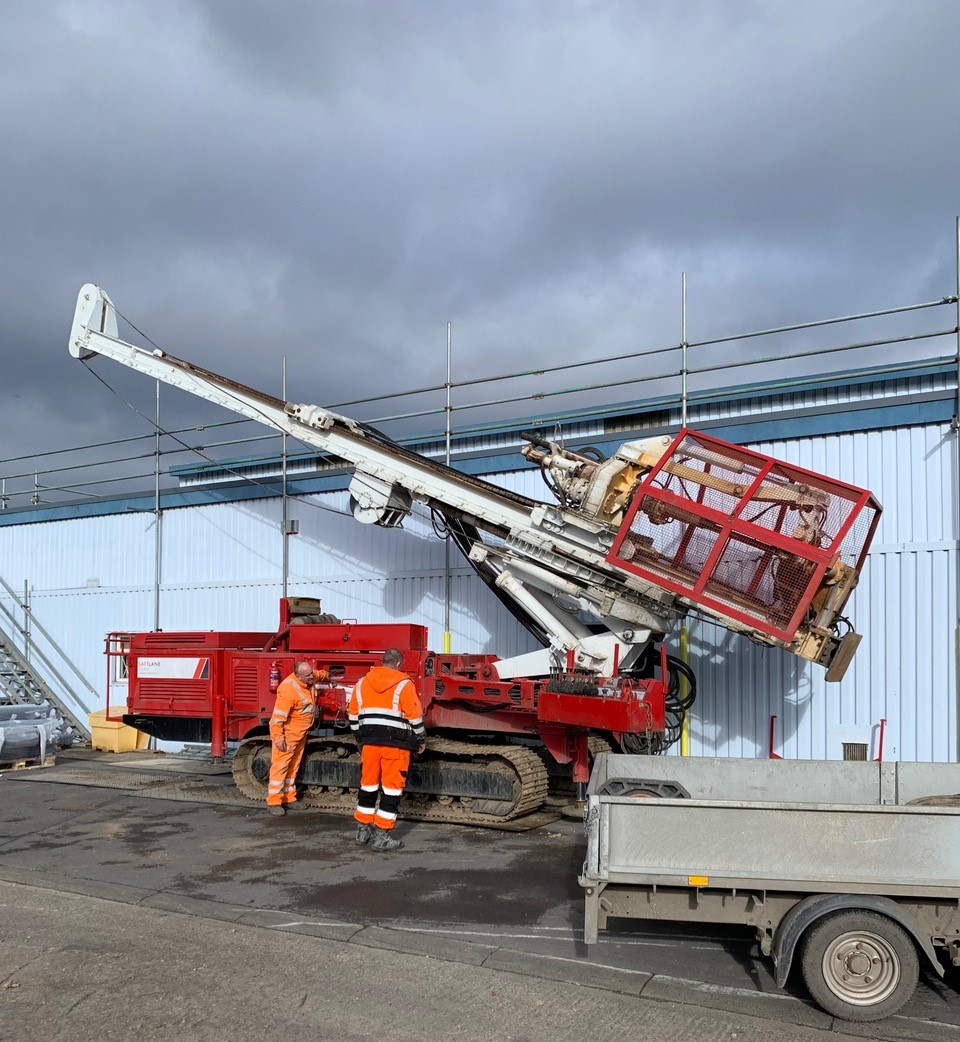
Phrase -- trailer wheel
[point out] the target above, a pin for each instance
(859, 966)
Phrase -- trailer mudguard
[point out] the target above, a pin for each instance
(795, 923)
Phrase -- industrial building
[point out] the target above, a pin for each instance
(89, 568)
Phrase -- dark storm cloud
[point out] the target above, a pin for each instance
(334, 181)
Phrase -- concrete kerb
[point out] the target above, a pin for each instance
(580, 974)
(118, 892)
(909, 1027)
(740, 1000)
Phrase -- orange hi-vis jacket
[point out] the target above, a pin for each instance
(295, 711)
(384, 710)
(293, 716)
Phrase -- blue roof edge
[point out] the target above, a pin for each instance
(935, 407)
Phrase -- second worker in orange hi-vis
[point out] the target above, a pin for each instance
(387, 718)
(293, 717)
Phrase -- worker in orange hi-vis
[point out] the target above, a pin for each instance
(293, 716)
(387, 718)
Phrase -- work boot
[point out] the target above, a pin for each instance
(276, 808)
(383, 841)
(297, 805)
(364, 834)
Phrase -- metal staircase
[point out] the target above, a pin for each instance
(21, 683)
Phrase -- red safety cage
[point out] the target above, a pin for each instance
(743, 534)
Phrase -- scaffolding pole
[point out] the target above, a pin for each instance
(446, 542)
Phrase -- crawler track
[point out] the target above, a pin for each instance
(459, 782)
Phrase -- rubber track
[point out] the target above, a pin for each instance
(524, 766)
(242, 768)
(596, 745)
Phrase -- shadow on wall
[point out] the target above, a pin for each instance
(740, 685)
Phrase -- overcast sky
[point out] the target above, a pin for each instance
(334, 181)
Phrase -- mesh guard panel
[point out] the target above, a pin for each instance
(743, 534)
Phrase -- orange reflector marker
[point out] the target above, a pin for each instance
(698, 880)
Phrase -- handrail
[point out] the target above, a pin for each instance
(44, 658)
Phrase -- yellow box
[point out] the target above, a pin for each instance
(114, 736)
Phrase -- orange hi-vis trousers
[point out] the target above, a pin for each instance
(293, 716)
(383, 770)
(282, 787)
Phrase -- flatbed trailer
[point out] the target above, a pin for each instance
(851, 869)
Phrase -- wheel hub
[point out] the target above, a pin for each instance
(260, 767)
(861, 968)
(858, 963)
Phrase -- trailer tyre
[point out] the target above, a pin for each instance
(859, 966)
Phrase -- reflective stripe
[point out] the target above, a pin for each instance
(386, 815)
(387, 724)
(369, 788)
(365, 714)
(382, 721)
(396, 695)
(280, 718)
(392, 792)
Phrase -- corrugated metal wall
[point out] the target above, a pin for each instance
(221, 569)
(905, 607)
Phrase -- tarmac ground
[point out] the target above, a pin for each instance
(152, 873)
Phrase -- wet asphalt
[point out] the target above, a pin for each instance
(454, 891)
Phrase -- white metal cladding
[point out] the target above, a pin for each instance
(221, 570)
(908, 469)
(903, 673)
(905, 606)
